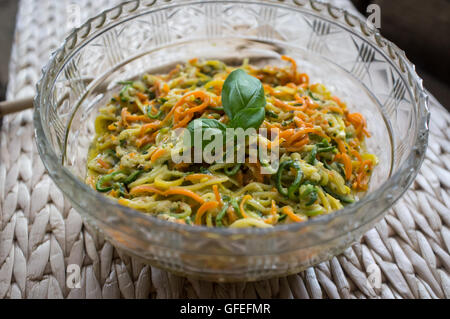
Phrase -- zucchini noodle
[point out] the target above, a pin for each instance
(324, 164)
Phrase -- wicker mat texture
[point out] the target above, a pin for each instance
(40, 234)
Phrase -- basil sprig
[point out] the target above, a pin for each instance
(243, 101)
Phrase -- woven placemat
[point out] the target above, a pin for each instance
(405, 256)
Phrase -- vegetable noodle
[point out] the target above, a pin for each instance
(323, 163)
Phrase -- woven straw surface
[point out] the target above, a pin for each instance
(40, 234)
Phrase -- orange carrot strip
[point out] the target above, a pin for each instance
(203, 209)
(203, 105)
(184, 121)
(347, 165)
(339, 102)
(241, 206)
(273, 210)
(103, 163)
(293, 67)
(288, 211)
(157, 154)
(303, 78)
(341, 145)
(285, 106)
(357, 155)
(149, 126)
(143, 141)
(231, 215)
(298, 146)
(142, 97)
(178, 114)
(286, 133)
(362, 184)
(184, 192)
(359, 122)
(217, 194)
(123, 115)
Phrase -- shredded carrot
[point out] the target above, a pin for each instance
(288, 211)
(203, 209)
(173, 72)
(273, 210)
(286, 134)
(357, 155)
(298, 146)
(142, 97)
(339, 102)
(359, 123)
(341, 145)
(123, 115)
(157, 154)
(273, 213)
(165, 89)
(145, 188)
(113, 193)
(149, 126)
(184, 192)
(300, 122)
(362, 175)
(103, 163)
(148, 188)
(293, 67)
(331, 108)
(241, 206)
(285, 106)
(178, 114)
(203, 105)
(137, 118)
(184, 121)
(168, 115)
(347, 161)
(231, 214)
(217, 194)
(303, 78)
(300, 133)
(143, 141)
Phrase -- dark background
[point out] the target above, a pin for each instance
(420, 27)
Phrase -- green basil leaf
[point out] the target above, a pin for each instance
(204, 125)
(241, 91)
(249, 117)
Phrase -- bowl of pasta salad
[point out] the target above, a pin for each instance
(231, 140)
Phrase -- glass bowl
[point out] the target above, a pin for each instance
(333, 46)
